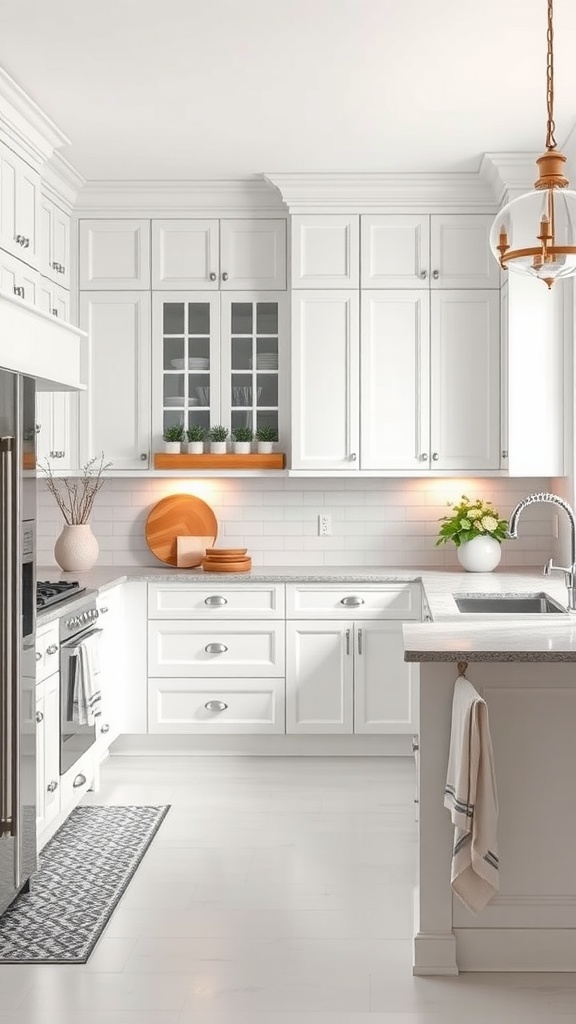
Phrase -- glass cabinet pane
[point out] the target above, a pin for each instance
(254, 364)
(186, 363)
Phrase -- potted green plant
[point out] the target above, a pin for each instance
(242, 438)
(266, 436)
(173, 437)
(195, 436)
(217, 436)
(477, 530)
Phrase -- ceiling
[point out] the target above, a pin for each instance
(185, 89)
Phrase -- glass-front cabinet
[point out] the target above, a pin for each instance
(218, 359)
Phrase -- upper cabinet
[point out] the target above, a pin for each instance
(19, 207)
(437, 251)
(54, 243)
(325, 251)
(219, 255)
(114, 255)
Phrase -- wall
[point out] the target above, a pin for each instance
(374, 522)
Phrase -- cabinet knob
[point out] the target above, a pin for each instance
(216, 601)
(39, 717)
(143, 457)
(26, 243)
(423, 457)
(415, 744)
(435, 456)
(212, 276)
(53, 786)
(224, 276)
(80, 780)
(215, 705)
(351, 602)
(19, 239)
(505, 454)
(435, 274)
(54, 312)
(353, 456)
(103, 609)
(105, 727)
(423, 275)
(52, 649)
(38, 656)
(215, 648)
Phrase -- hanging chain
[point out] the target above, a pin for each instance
(550, 126)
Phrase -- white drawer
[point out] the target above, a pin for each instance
(338, 601)
(186, 648)
(47, 651)
(217, 706)
(77, 781)
(243, 601)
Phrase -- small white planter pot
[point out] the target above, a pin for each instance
(265, 447)
(482, 554)
(218, 447)
(195, 447)
(242, 447)
(172, 447)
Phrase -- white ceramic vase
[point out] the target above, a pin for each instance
(482, 554)
(76, 549)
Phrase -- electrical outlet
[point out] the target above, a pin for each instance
(324, 525)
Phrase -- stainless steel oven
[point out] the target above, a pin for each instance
(76, 737)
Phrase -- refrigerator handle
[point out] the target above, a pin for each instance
(8, 645)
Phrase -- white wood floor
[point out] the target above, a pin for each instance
(278, 891)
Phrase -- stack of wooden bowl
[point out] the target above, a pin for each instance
(226, 560)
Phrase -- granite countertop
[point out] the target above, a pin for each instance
(450, 635)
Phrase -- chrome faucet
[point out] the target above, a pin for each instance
(569, 573)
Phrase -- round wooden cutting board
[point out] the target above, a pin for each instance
(179, 515)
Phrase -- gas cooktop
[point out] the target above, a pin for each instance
(48, 593)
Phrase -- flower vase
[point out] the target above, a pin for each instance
(76, 549)
(481, 554)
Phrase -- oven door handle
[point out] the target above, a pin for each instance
(72, 649)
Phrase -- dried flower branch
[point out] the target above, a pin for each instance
(75, 496)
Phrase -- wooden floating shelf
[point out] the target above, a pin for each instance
(228, 461)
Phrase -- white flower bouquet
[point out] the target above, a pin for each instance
(472, 519)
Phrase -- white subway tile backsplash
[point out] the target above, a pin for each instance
(391, 522)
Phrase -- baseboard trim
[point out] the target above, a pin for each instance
(264, 746)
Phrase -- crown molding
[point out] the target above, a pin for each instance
(384, 192)
(61, 182)
(510, 174)
(25, 125)
(204, 197)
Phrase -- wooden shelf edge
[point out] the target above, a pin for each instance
(255, 461)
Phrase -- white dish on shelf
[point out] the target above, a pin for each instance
(194, 363)
(174, 401)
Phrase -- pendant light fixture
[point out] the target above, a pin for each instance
(536, 233)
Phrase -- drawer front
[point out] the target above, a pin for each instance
(246, 601)
(388, 601)
(47, 651)
(217, 706)
(76, 782)
(216, 649)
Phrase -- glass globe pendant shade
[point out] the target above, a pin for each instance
(535, 235)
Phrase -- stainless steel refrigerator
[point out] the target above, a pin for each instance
(17, 629)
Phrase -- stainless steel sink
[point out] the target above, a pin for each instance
(509, 604)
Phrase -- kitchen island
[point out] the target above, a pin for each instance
(525, 669)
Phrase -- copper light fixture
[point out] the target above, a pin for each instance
(535, 234)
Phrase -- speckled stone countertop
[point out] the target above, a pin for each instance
(450, 636)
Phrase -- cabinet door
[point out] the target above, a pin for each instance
(53, 299)
(114, 254)
(223, 706)
(395, 398)
(47, 751)
(319, 674)
(19, 207)
(385, 686)
(115, 411)
(215, 650)
(395, 251)
(54, 243)
(112, 665)
(465, 380)
(325, 251)
(254, 338)
(325, 380)
(185, 254)
(185, 361)
(253, 255)
(57, 428)
(17, 278)
(460, 253)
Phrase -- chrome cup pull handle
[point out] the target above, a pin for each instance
(80, 780)
(216, 601)
(215, 648)
(215, 705)
(351, 602)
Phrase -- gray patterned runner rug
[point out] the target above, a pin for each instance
(84, 870)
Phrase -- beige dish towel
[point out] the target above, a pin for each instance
(471, 798)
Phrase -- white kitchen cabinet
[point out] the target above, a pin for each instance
(53, 298)
(430, 380)
(47, 752)
(219, 359)
(216, 650)
(325, 251)
(325, 380)
(19, 207)
(54, 243)
(57, 428)
(349, 600)
(348, 677)
(114, 255)
(427, 251)
(215, 601)
(112, 655)
(213, 255)
(17, 278)
(115, 410)
(223, 706)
